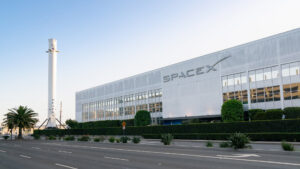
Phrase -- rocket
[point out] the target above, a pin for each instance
(52, 51)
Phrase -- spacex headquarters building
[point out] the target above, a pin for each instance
(261, 74)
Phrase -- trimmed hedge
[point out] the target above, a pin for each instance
(292, 112)
(271, 114)
(103, 124)
(232, 110)
(225, 136)
(253, 112)
(242, 127)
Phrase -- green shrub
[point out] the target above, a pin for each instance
(69, 138)
(287, 146)
(73, 124)
(136, 140)
(36, 136)
(5, 137)
(104, 124)
(111, 139)
(209, 144)
(96, 139)
(274, 114)
(51, 137)
(124, 139)
(260, 116)
(268, 126)
(166, 138)
(232, 110)
(224, 145)
(142, 118)
(118, 140)
(84, 138)
(253, 112)
(292, 112)
(239, 140)
(101, 138)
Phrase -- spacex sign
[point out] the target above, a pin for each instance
(193, 72)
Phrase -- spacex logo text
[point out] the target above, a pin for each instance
(193, 72)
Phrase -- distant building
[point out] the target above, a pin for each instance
(261, 74)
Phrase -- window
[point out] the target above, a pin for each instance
(267, 74)
(224, 81)
(230, 80)
(244, 78)
(294, 69)
(245, 96)
(253, 95)
(225, 97)
(260, 94)
(252, 76)
(237, 79)
(285, 70)
(276, 93)
(259, 75)
(275, 72)
(287, 92)
(269, 94)
(295, 90)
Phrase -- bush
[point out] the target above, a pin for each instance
(142, 118)
(260, 116)
(101, 138)
(36, 136)
(111, 139)
(72, 123)
(292, 112)
(96, 139)
(69, 138)
(239, 140)
(253, 112)
(104, 124)
(274, 114)
(136, 140)
(224, 145)
(51, 137)
(124, 139)
(209, 144)
(232, 110)
(118, 140)
(287, 146)
(268, 126)
(84, 138)
(166, 138)
(5, 137)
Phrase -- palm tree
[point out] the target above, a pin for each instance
(8, 122)
(23, 118)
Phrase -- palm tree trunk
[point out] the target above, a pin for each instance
(11, 130)
(20, 133)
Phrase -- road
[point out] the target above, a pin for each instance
(89, 155)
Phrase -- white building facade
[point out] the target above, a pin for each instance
(261, 74)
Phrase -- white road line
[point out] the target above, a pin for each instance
(61, 165)
(24, 156)
(64, 152)
(2, 151)
(113, 158)
(179, 154)
(36, 148)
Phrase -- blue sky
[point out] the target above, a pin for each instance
(103, 41)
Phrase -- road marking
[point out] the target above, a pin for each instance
(113, 158)
(61, 165)
(179, 154)
(239, 155)
(24, 156)
(2, 151)
(36, 148)
(64, 152)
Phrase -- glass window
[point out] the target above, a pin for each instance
(267, 74)
(276, 93)
(285, 70)
(275, 72)
(294, 69)
(237, 79)
(253, 95)
(231, 95)
(225, 97)
(287, 92)
(245, 96)
(260, 95)
(224, 81)
(295, 90)
(230, 80)
(252, 76)
(259, 75)
(244, 78)
(269, 94)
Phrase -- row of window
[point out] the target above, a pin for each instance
(92, 114)
(265, 94)
(290, 69)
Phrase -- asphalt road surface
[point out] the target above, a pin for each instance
(89, 155)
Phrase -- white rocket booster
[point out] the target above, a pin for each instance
(52, 51)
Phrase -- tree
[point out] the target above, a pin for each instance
(142, 118)
(232, 110)
(72, 123)
(22, 118)
(8, 122)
